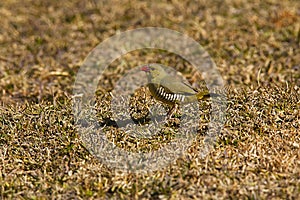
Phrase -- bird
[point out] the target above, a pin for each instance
(167, 89)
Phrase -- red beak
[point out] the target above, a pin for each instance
(145, 68)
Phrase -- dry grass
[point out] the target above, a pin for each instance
(255, 46)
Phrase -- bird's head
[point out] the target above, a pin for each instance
(154, 71)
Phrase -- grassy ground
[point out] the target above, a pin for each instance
(255, 45)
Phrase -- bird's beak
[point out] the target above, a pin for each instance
(145, 68)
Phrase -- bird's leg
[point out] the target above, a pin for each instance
(172, 111)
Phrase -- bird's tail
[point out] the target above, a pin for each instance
(205, 95)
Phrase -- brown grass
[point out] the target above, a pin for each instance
(255, 46)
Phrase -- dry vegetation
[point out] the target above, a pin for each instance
(255, 45)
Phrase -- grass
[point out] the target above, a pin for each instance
(255, 46)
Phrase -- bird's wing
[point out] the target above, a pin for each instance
(177, 86)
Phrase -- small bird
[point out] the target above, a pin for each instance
(168, 89)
